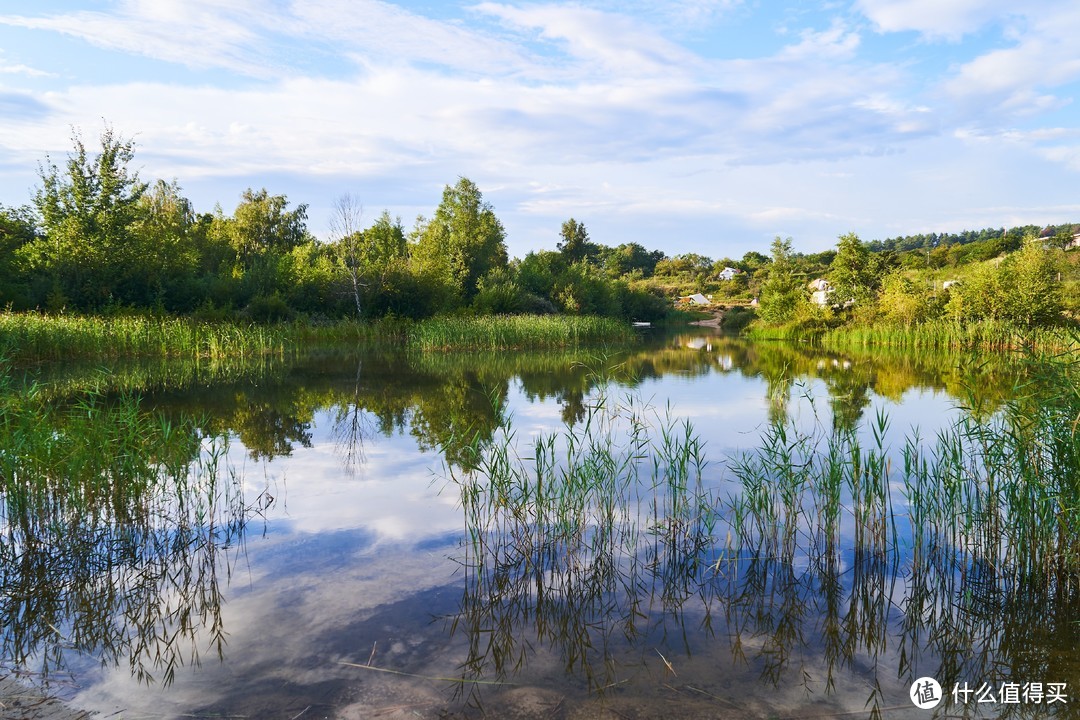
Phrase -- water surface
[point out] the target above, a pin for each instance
(338, 574)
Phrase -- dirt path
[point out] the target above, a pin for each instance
(714, 322)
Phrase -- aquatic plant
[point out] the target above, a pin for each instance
(36, 337)
(509, 332)
(609, 529)
(114, 524)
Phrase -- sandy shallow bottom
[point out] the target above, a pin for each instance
(19, 701)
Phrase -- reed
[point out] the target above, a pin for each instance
(592, 532)
(935, 334)
(514, 332)
(105, 509)
(33, 337)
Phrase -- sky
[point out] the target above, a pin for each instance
(707, 126)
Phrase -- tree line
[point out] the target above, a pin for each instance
(97, 238)
(1024, 284)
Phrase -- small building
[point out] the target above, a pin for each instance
(729, 273)
(949, 283)
(695, 299)
(820, 290)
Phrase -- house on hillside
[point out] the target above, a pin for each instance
(819, 291)
(729, 273)
(1049, 232)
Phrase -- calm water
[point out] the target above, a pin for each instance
(356, 552)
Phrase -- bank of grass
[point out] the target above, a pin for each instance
(514, 332)
(33, 337)
(932, 335)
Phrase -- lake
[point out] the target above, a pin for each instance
(339, 548)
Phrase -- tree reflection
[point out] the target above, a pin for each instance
(611, 565)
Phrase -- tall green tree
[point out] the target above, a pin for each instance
(165, 233)
(18, 228)
(88, 211)
(262, 224)
(1022, 288)
(462, 242)
(851, 273)
(782, 293)
(574, 243)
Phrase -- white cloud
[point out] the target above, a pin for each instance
(20, 69)
(617, 43)
(1011, 78)
(195, 33)
(950, 19)
(836, 43)
(380, 33)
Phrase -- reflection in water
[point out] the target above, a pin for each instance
(605, 545)
(117, 529)
(614, 546)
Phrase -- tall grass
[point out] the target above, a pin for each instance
(936, 335)
(34, 337)
(589, 516)
(594, 532)
(512, 332)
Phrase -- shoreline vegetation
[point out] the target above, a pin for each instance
(991, 335)
(33, 337)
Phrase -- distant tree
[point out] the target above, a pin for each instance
(167, 233)
(1022, 288)
(462, 242)
(18, 228)
(345, 218)
(575, 244)
(629, 258)
(902, 301)
(1033, 293)
(1063, 237)
(262, 224)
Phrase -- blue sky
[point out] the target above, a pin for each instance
(706, 126)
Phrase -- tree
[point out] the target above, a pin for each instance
(87, 214)
(262, 233)
(261, 224)
(18, 228)
(168, 256)
(851, 274)
(629, 258)
(575, 243)
(1022, 288)
(782, 293)
(462, 242)
(1033, 294)
(345, 218)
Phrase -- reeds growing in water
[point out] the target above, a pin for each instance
(35, 338)
(596, 531)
